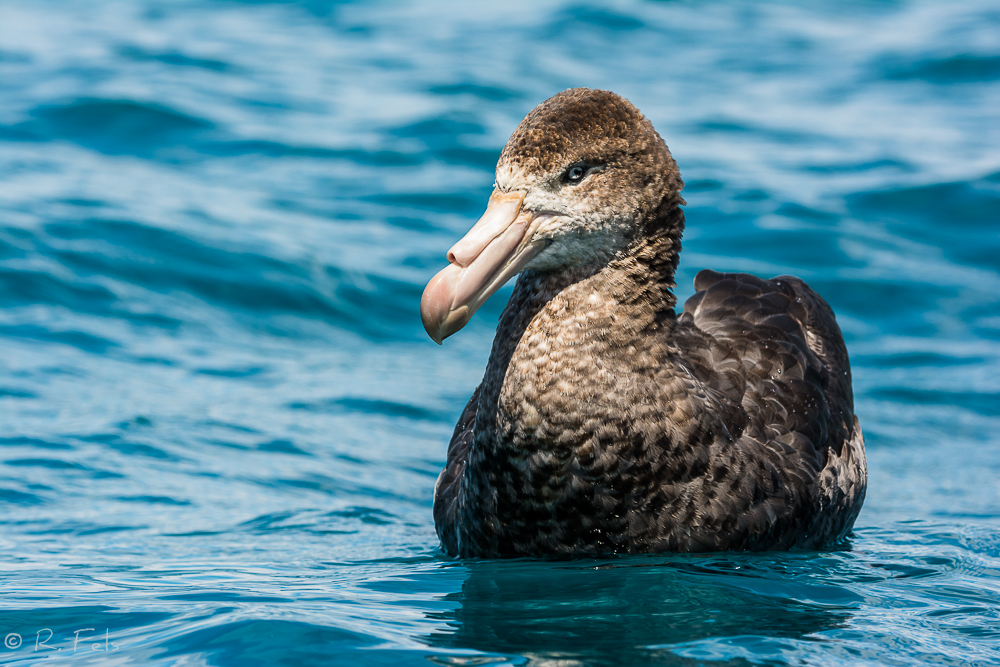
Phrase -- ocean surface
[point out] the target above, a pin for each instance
(221, 420)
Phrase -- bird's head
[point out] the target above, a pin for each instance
(574, 181)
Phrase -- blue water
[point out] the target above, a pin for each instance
(221, 420)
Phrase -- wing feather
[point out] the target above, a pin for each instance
(794, 375)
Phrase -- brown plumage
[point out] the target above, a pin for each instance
(608, 423)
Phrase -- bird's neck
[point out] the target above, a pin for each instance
(559, 327)
(622, 297)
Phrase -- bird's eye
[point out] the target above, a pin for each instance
(576, 173)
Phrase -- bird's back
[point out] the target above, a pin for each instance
(786, 380)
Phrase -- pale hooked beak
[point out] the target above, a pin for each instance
(495, 249)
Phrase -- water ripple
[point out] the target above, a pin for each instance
(222, 422)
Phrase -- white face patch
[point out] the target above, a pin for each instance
(510, 178)
(577, 242)
(581, 234)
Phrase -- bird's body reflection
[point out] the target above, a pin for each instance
(633, 610)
